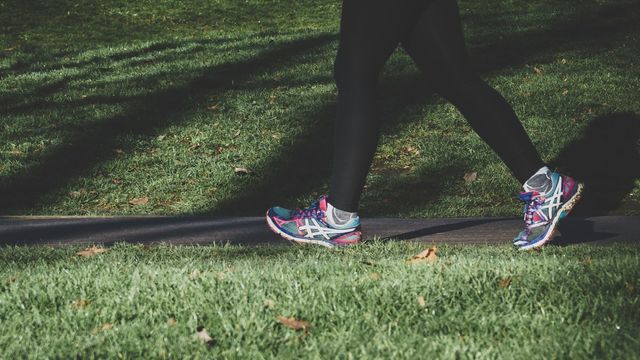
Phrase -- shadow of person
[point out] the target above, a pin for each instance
(606, 158)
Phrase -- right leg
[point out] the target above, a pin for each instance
(370, 30)
(438, 49)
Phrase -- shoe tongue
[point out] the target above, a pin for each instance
(323, 203)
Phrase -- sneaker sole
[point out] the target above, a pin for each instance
(297, 240)
(562, 213)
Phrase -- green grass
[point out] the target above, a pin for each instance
(103, 102)
(562, 302)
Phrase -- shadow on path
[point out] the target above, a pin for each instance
(254, 231)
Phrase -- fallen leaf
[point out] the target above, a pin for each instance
(428, 256)
(630, 286)
(269, 303)
(161, 137)
(116, 181)
(78, 193)
(91, 251)
(272, 99)
(563, 61)
(80, 303)
(242, 170)
(421, 301)
(171, 321)
(375, 276)
(565, 92)
(105, 326)
(213, 107)
(194, 146)
(536, 70)
(118, 151)
(139, 201)
(505, 282)
(194, 274)
(411, 150)
(470, 177)
(587, 261)
(203, 335)
(13, 278)
(294, 324)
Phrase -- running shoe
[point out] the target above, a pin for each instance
(310, 226)
(542, 212)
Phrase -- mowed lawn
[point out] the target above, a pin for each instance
(364, 302)
(227, 108)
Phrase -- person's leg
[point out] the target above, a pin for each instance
(437, 46)
(370, 30)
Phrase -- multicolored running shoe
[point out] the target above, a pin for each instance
(310, 226)
(542, 212)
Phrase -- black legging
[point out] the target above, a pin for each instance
(431, 33)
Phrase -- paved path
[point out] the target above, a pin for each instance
(254, 231)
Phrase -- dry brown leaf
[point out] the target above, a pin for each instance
(91, 251)
(505, 283)
(139, 201)
(294, 324)
(563, 61)
(269, 303)
(428, 256)
(421, 301)
(80, 303)
(375, 276)
(203, 335)
(536, 70)
(194, 274)
(470, 177)
(171, 321)
(240, 170)
(587, 261)
(13, 278)
(105, 326)
(630, 286)
(213, 107)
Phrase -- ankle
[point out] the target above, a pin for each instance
(341, 218)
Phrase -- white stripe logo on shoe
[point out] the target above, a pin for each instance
(317, 229)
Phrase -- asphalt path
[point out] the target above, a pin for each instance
(60, 231)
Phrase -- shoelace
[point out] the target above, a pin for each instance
(532, 202)
(312, 211)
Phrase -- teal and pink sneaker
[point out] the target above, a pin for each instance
(542, 212)
(309, 226)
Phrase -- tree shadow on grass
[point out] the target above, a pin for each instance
(24, 190)
(303, 167)
(144, 117)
